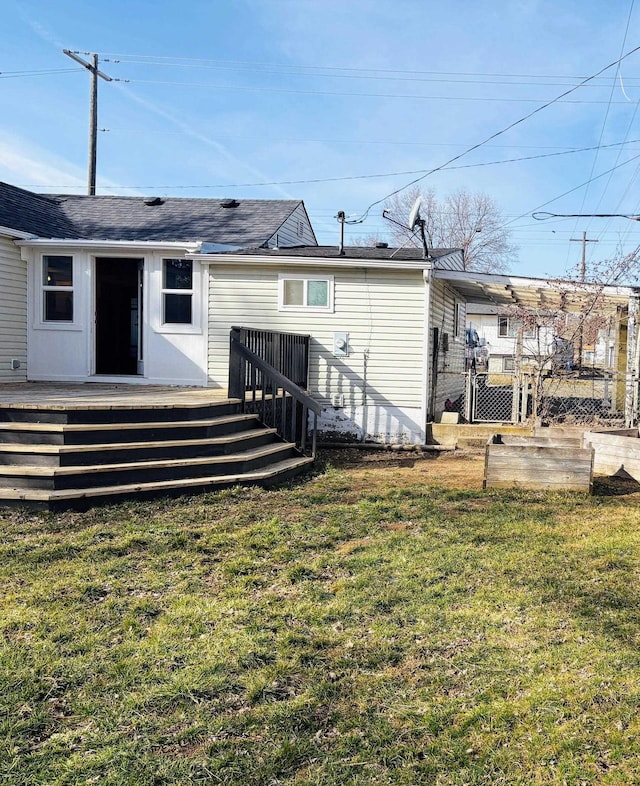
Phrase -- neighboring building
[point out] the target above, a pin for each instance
(498, 333)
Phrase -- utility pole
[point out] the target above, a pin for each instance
(92, 67)
(583, 275)
(583, 262)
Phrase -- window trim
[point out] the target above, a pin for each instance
(43, 288)
(510, 321)
(164, 291)
(306, 277)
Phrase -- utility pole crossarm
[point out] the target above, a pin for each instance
(92, 67)
(88, 66)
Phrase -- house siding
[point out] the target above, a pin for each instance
(448, 364)
(380, 381)
(13, 312)
(295, 231)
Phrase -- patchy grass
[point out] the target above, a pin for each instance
(375, 624)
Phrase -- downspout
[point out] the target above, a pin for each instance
(426, 354)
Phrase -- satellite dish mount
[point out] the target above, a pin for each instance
(415, 223)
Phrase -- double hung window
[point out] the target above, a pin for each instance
(57, 288)
(177, 291)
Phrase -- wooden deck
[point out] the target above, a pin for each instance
(65, 445)
(97, 395)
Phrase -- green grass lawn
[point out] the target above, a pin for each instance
(368, 625)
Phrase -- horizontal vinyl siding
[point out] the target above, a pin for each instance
(383, 314)
(13, 312)
(450, 364)
(296, 231)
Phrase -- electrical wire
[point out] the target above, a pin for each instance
(353, 177)
(606, 117)
(346, 94)
(161, 58)
(305, 71)
(43, 72)
(496, 134)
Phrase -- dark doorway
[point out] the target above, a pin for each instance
(118, 328)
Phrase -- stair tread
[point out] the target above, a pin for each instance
(18, 447)
(49, 472)
(167, 403)
(61, 428)
(44, 495)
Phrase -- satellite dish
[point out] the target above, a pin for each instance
(414, 215)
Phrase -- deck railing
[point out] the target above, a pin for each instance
(288, 353)
(265, 390)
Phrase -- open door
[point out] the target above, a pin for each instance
(118, 316)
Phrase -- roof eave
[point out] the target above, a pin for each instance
(188, 246)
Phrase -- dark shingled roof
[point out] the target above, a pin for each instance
(33, 213)
(71, 216)
(350, 252)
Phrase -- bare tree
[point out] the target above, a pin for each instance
(569, 351)
(463, 220)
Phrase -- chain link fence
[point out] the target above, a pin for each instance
(571, 398)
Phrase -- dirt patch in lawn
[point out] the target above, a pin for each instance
(454, 470)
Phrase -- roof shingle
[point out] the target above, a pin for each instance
(72, 216)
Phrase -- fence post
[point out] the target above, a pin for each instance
(236, 367)
(468, 397)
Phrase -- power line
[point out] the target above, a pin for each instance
(43, 72)
(259, 64)
(498, 133)
(306, 71)
(347, 94)
(310, 181)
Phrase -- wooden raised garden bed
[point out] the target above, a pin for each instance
(615, 452)
(538, 463)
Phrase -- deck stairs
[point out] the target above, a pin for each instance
(77, 455)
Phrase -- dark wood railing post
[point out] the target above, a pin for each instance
(254, 374)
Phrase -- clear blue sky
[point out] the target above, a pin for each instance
(224, 95)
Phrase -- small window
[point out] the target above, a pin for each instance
(456, 320)
(177, 291)
(300, 292)
(57, 288)
(508, 364)
(509, 327)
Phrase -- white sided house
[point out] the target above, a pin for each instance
(129, 290)
(104, 288)
(137, 291)
(380, 326)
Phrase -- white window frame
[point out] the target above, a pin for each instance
(164, 291)
(508, 364)
(306, 277)
(42, 289)
(512, 328)
(457, 333)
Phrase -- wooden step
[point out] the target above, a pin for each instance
(114, 452)
(89, 433)
(76, 497)
(121, 412)
(30, 476)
